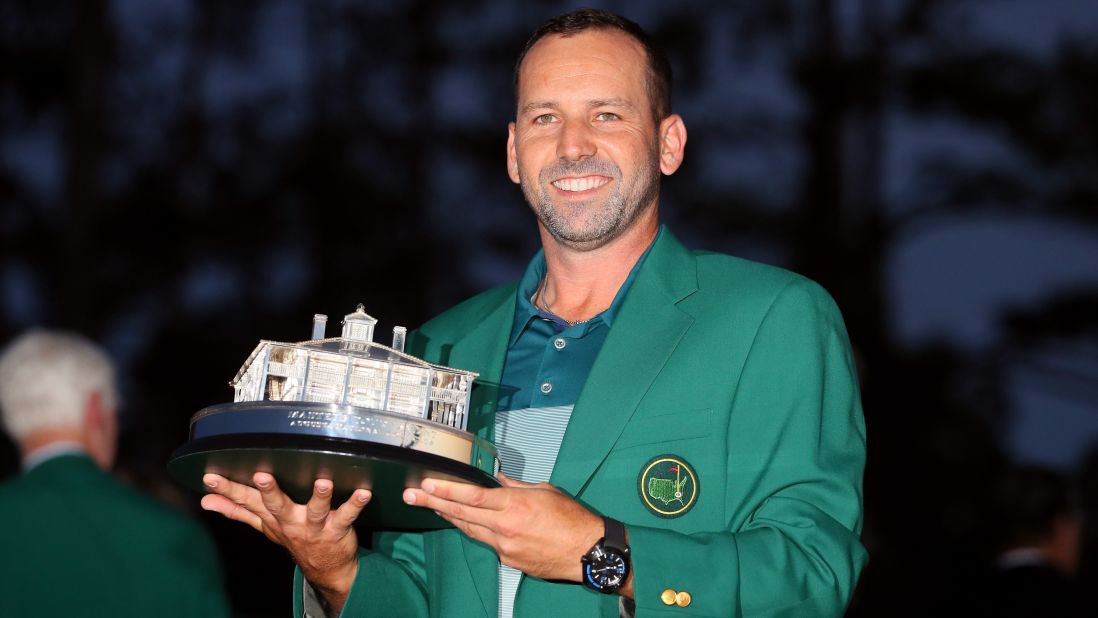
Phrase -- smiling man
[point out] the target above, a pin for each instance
(681, 432)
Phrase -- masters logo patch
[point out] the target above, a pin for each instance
(668, 486)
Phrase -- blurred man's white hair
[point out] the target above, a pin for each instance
(47, 378)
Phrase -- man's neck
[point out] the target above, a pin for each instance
(580, 284)
(42, 444)
(46, 452)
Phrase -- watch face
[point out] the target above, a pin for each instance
(605, 569)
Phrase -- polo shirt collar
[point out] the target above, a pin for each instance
(525, 311)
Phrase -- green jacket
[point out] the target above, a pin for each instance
(742, 372)
(76, 542)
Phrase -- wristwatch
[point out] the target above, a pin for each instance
(606, 565)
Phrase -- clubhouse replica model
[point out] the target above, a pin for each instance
(352, 370)
(346, 408)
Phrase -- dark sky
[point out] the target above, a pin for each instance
(948, 280)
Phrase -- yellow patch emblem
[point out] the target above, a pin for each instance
(668, 486)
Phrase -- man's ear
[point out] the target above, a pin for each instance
(100, 431)
(672, 143)
(94, 411)
(512, 155)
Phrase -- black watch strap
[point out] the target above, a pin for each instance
(606, 564)
(614, 534)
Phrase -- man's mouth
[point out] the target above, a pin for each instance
(585, 183)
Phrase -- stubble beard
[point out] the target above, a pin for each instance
(589, 224)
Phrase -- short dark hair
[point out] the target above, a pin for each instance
(580, 20)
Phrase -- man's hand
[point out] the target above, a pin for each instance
(322, 541)
(532, 527)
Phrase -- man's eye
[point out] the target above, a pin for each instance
(544, 119)
(606, 116)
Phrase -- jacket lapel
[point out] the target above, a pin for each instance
(642, 338)
(645, 332)
(483, 349)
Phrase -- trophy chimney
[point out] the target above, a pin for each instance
(320, 323)
(398, 338)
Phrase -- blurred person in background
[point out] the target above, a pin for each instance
(76, 541)
(1041, 526)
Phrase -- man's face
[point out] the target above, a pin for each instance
(584, 146)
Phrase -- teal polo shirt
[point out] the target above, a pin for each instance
(547, 363)
(547, 359)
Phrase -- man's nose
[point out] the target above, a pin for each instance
(576, 142)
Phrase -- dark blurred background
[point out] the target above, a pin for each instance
(179, 179)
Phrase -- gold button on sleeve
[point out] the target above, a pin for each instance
(682, 599)
(668, 597)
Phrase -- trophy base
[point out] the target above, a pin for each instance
(296, 460)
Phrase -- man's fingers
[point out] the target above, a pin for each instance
(238, 493)
(220, 504)
(319, 505)
(507, 481)
(276, 502)
(476, 532)
(448, 509)
(348, 512)
(466, 493)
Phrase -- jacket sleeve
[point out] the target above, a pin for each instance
(796, 434)
(390, 580)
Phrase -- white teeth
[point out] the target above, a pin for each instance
(580, 184)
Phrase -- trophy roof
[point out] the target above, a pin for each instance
(360, 315)
(337, 345)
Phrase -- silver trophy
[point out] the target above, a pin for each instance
(360, 413)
